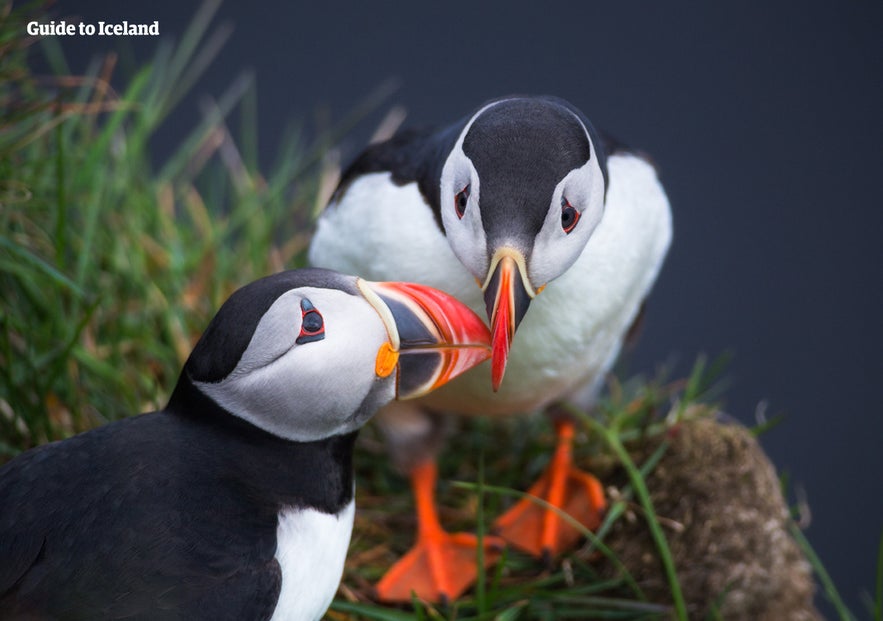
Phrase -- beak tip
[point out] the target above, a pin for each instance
(498, 369)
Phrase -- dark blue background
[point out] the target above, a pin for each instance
(767, 128)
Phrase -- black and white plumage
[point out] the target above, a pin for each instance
(236, 500)
(562, 231)
(395, 215)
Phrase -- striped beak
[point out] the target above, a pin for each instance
(507, 295)
(433, 337)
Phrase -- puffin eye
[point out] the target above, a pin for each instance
(569, 215)
(312, 326)
(461, 200)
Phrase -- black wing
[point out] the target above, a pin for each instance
(614, 146)
(411, 155)
(22, 533)
(402, 155)
(117, 524)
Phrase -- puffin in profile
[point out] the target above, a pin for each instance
(523, 211)
(236, 500)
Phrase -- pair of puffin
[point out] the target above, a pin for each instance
(526, 213)
(236, 500)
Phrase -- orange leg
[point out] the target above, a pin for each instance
(540, 531)
(440, 566)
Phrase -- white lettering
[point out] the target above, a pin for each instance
(51, 29)
(106, 29)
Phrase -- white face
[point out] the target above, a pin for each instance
(305, 377)
(465, 233)
(573, 212)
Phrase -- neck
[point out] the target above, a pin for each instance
(276, 471)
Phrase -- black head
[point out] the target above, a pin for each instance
(521, 192)
(228, 334)
(308, 354)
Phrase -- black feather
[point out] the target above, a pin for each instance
(171, 514)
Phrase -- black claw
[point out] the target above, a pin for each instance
(547, 558)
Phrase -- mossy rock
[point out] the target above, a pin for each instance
(726, 522)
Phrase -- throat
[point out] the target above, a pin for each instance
(316, 475)
(279, 472)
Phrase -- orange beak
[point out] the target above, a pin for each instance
(507, 296)
(433, 337)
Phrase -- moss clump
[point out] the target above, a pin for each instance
(720, 500)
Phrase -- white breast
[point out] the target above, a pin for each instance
(311, 547)
(383, 231)
(573, 330)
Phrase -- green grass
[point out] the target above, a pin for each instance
(520, 587)
(111, 265)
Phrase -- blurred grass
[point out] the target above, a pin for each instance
(111, 265)
(520, 587)
(110, 268)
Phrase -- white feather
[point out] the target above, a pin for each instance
(573, 330)
(384, 231)
(311, 548)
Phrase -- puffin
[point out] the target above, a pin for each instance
(556, 232)
(235, 501)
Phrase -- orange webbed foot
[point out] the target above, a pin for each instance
(441, 565)
(541, 531)
(439, 568)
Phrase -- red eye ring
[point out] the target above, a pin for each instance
(461, 199)
(569, 215)
(312, 324)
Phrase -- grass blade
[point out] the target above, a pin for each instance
(828, 587)
(643, 494)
